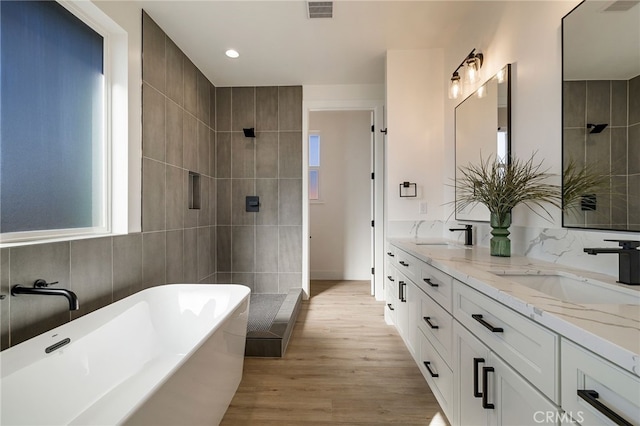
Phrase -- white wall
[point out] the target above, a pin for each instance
(340, 229)
(414, 142)
(528, 35)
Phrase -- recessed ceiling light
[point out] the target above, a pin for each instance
(232, 53)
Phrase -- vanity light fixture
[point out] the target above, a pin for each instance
(233, 54)
(472, 64)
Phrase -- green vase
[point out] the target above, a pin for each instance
(500, 244)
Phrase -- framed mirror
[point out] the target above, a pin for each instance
(601, 112)
(482, 123)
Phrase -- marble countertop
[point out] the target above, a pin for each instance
(610, 330)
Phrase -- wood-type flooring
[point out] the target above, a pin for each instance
(343, 366)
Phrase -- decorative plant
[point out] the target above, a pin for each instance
(502, 186)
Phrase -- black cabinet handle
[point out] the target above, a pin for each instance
(390, 278)
(428, 365)
(401, 288)
(485, 388)
(403, 263)
(391, 254)
(390, 307)
(493, 329)
(428, 281)
(476, 392)
(591, 397)
(428, 321)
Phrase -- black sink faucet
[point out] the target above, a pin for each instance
(40, 286)
(628, 260)
(468, 234)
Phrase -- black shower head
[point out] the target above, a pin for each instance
(596, 128)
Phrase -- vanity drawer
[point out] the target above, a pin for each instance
(436, 284)
(391, 253)
(437, 374)
(617, 390)
(529, 348)
(436, 324)
(406, 263)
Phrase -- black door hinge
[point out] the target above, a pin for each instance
(383, 131)
(372, 176)
(372, 128)
(373, 271)
(372, 223)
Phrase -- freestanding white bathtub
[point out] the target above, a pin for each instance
(168, 355)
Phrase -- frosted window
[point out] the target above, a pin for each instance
(314, 190)
(314, 151)
(52, 143)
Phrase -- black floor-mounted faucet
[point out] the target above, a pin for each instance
(628, 260)
(468, 234)
(40, 286)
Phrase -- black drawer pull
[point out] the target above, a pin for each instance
(591, 397)
(485, 388)
(476, 392)
(428, 321)
(493, 329)
(390, 307)
(428, 281)
(428, 364)
(401, 290)
(390, 278)
(391, 254)
(403, 263)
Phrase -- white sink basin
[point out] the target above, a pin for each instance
(572, 288)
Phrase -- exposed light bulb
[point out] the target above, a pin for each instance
(455, 86)
(471, 71)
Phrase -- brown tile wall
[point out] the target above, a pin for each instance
(616, 150)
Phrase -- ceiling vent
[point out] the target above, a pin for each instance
(320, 9)
(621, 5)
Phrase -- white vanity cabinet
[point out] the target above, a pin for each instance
(488, 363)
(595, 391)
(490, 392)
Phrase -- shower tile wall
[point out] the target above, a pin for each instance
(262, 250)
(177, 244)
(178, 137)
(615, 151)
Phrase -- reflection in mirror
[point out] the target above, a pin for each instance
(601, 112)
(482, 131)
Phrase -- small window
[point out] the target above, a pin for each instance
(314, 151)
(314, 167)
(54, 146)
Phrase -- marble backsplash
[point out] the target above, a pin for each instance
(558, 245)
